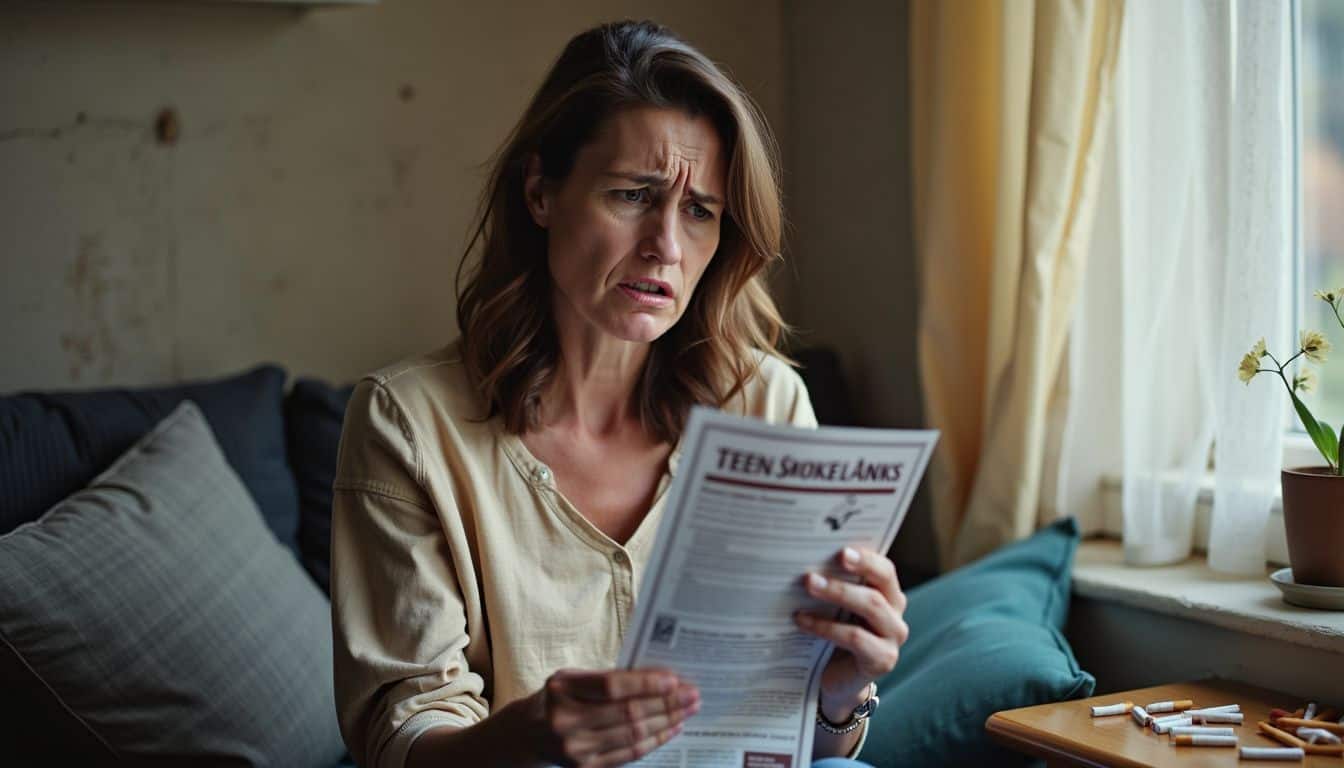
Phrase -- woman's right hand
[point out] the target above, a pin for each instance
(593, 719)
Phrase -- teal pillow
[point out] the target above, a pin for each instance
(983, 638)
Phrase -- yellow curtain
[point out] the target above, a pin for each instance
(1009, 99)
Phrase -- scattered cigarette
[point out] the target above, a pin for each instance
(1219, 717)
(1206, 710)
(1160, 727)
(1297, 722)
(1113, 709)
(1169, 706)
(1323, 749)
(1313, 735)
(1329, 713)
(1169, 718)
(1187, 730)
(1140, 715)
(1283, 737)
(1311, 711)
(1204, 740)
(1272, 753)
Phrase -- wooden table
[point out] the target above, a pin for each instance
(1065, 733)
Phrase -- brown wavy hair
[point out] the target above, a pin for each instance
(509, 345)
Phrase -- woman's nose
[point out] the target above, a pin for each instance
(663, 240)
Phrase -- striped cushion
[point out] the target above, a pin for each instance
(158, 613)
(53, 443)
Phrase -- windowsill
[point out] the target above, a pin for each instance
(1191, 590)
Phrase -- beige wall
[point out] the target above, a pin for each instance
(849, 198)
(310, 213)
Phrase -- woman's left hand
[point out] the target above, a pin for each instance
(868, 645)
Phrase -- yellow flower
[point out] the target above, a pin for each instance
(1304, 381)
(1314, 346)
(1259, 349)
(1328, 297)
(1250, 364)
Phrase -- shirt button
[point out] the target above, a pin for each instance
(619, 557)
(542, 474)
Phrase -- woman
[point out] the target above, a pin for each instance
(496, 500)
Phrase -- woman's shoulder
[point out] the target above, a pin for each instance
(435, 381)
(776, 392)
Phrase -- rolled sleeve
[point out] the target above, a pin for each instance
(398, 616)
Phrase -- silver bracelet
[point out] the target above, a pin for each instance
(856, 718)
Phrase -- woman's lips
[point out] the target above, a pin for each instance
(646, 299)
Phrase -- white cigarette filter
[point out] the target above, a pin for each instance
(1205, 710)
(1314, 735)
(1311, 711)
(1164, 727)
(1204, 740)
(1218, 717)
(1272, 753)
(1113, 709)
(1169, 706)
(1140, 715)
(1191, 730)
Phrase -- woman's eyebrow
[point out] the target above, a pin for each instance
(661, 182)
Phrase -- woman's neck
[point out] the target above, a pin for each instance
(593, 389)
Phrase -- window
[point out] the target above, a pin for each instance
(1319, 31)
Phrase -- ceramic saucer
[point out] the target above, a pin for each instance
(1307, 595)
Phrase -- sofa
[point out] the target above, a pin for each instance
(164, 569)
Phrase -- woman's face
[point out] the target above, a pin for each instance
(632, 228)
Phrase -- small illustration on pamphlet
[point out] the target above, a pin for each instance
(664, 630)
(842, 513)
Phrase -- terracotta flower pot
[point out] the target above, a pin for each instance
(1313, 514)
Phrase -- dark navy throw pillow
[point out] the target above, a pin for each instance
(53, 443)
(314, 413)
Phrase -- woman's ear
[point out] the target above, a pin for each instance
(534, 191)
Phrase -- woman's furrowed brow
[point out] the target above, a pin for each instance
(661, 182)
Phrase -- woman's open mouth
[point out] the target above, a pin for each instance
(648, 293)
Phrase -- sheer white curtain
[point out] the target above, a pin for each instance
(1195, 235)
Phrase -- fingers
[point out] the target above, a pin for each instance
(614, 716)
(864, 601)
(632, 732)
(631, 753)
(875, 655)
(613, 685)
(875, 570)
(596, 717)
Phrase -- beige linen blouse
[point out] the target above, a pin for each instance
(461, 578)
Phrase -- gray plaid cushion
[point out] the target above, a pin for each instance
(157, 611)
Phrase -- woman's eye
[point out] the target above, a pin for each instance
(700, 212)
(634, 195)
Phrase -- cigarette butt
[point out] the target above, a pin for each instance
(1191, 730)
(1169, 706)
(1140, 715)
(1297, 722)
(1163, 727)
(1311, 711)
(1206, 710)
(1313, 735)
(1283, 737)
(1219, 717)
(1272, 753)
(1323, 749)
(1276, 713)
(1113, 709)
(1204, 740)
(1297, 712)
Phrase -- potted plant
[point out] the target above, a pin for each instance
(1313, 497)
